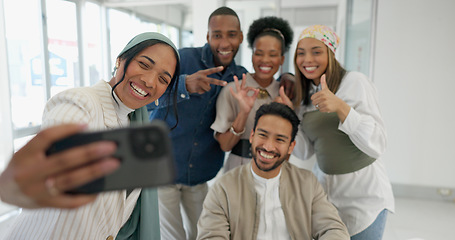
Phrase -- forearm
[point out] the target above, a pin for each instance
(343, 111)
(228, 139)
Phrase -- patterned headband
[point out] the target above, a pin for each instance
(323, 34)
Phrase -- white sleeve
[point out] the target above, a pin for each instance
(364, 124)
(70, 106)
(303, 146)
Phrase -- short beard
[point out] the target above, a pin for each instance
(277, 163)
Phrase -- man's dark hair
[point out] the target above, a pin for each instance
(224, 11)
(281, 110)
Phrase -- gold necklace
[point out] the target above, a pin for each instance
(263, 93)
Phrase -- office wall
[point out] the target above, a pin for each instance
(413, 72)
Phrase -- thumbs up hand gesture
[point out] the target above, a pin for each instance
(283, 98)
(326, 101)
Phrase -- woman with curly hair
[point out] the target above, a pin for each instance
(269, 38)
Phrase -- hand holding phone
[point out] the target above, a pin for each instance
(145, 153)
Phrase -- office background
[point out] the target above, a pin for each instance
(405, 47)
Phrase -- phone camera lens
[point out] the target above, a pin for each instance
(149, 147)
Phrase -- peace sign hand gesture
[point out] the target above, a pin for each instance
(199, 82)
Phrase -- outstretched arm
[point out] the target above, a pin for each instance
(33, 180)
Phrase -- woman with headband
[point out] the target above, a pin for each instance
(342, 125)
(145, 69)
(269, 38)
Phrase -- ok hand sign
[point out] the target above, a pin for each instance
(246, 102)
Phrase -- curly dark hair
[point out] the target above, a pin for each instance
(273, 26)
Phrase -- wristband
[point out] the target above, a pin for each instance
(238, 134)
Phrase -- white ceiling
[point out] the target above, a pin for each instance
(179, 12)
(187, 4)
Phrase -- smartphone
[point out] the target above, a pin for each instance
(145, 153)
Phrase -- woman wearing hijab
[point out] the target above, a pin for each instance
(145, 69)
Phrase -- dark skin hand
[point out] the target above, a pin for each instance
(198, 82)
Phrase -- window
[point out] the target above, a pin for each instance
(62, 45)
(172, 33)
(359, 35)
(38, 71)
(120, 35)
(94, 54)
(55, 45)
(25, 62)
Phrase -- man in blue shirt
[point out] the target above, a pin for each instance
(205, 70)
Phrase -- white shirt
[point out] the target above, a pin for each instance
(358, 204)
(122, 112)
(272, 224)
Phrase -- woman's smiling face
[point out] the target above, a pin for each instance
(147, 76)
(267, 59)
(312, 58)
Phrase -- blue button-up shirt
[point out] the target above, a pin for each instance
(197, 154)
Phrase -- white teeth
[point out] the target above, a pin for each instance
(265, 155)
(138, 90)
(310, 68)
(265, 68)
(224, 53)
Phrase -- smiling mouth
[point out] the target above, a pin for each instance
(138, 90)
(265, 69)
(224, 53)
(310, 69)
(267, 155)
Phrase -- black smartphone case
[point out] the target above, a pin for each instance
(145, 153)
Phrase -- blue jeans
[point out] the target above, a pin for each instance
(375, 230)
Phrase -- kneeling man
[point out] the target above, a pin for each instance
(269, 198)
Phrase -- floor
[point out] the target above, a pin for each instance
(416, 219)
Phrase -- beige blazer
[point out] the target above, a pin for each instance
(231, 211)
